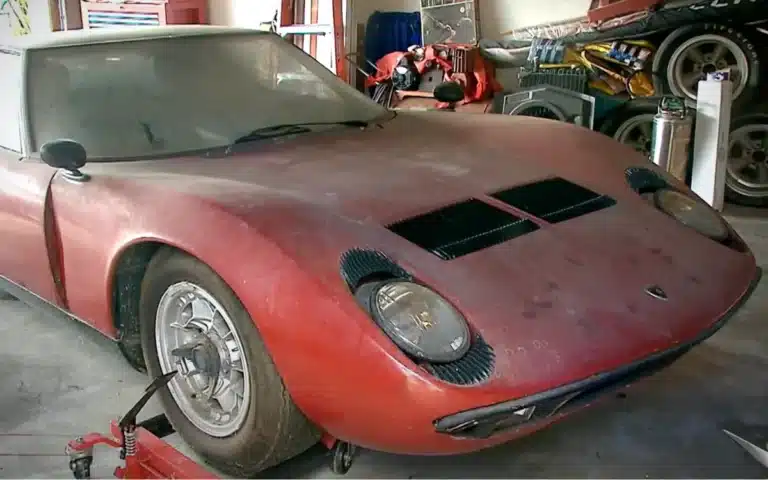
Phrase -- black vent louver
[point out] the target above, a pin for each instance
(476, 366)
(554, 200)
(643, 180)
(462, 228)
(359, 264)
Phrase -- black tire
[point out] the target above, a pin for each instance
(731, 194)
(614, 123)
(131, 350)
(274, 429)
(664, 85)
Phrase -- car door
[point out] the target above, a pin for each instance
(27, 227)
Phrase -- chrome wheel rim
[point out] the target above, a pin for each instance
(747, 170)
(637, 132)
(704, 54)
(196, 336)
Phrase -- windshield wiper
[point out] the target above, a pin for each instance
(291, 129)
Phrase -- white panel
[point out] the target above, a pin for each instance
(710, 149)
(10, 100)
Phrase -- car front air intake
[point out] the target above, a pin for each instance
(462, 228)
(554, 200)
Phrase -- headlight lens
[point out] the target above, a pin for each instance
(421, 322)
(692, 213)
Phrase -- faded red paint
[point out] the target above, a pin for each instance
(557, 305)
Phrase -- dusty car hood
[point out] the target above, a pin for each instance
(557, 304)
(413, 163)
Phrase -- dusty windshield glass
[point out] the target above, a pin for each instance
(163, 96)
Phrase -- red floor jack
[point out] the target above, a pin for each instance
(145, 455)
(143, 452)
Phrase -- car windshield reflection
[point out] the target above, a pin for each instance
(172, 95)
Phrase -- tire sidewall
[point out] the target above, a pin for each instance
(175, 269)
(732, 195)
(676, 39)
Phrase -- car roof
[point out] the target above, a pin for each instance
(73, 38)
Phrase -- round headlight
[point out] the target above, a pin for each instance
(421, 322)
(692, 213)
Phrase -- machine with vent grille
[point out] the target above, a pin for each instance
(111, 14)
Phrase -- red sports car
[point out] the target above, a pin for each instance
(313, 264)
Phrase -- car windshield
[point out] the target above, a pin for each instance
(164, 96)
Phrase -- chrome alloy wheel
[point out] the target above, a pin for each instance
(196, 336)
(747, 170)
(704, 54)
(637, 132)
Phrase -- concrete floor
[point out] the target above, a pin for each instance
(59, 379)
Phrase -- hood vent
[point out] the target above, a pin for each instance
(554, 200)
(461, 229)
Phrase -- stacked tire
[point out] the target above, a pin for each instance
(686, 55)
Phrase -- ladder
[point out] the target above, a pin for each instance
(291, 24)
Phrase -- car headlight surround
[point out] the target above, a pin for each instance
(692, 213)
(418, 320)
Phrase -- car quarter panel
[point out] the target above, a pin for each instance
(30, 250)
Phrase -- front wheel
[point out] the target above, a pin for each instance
(228, 401)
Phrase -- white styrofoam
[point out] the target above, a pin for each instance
(710, 146)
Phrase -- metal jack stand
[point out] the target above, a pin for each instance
(143, 452)
(145, 455)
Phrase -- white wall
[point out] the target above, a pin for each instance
(39, 18)
(250, 13)
(242, 13)
(496, 16)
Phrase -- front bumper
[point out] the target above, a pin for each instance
(485, 422)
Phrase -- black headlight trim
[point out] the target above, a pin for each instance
(644, 180)
(360, 265)
(475, 367)
(361, 269)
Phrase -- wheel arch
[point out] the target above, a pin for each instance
(129, 266)
(126, 274)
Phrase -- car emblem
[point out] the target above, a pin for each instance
(656, 292)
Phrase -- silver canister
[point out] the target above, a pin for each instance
(672, 128)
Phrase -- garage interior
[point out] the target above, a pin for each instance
(553, 59)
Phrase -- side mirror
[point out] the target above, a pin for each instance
(449, 92)
(67, 155)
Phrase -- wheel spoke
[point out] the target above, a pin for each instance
(237, 366)
(202, 309)
(227, 396)
(762, 173)
(695, 55)
(691, 79)
(739, 163)
(719, 52)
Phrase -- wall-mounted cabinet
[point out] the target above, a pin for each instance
(103, 14)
